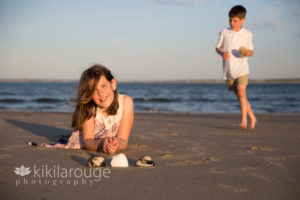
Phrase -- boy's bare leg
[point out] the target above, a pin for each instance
(242, 97)
(251, 115)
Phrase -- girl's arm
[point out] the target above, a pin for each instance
(121, 141)
(88, 129)
(126, 123)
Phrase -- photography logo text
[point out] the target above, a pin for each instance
(56, 175)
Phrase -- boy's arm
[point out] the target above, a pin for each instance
(220, 51)
(225, 54)
(249, 52)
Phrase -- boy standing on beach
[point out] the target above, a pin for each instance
(235, 46)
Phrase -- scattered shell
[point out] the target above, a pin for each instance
(255, 148)
(145, 161)
(32, 143)
(96, 161)
(119, 160)
(146, 158)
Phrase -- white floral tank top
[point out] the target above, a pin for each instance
(108, 126)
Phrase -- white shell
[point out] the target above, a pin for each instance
(119, 160)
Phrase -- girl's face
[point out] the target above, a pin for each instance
(104, 93)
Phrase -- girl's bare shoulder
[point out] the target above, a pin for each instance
(127, 100)
(127, 103)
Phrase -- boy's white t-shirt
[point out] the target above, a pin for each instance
(231, 41)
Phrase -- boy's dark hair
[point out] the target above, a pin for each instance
(238, 11)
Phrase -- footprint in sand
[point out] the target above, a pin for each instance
(2, 156)
(174, 134)
(167, 155)
(232, 188)
(185, 161)
(5, 148)
(192, 162)
(259, 148)
(248, 169)
(252, 171)
(170, 124)
(215, 171)
(276, 161)
(192, 149)
(12, 147)
(142, 137)
(270, 149)
(188, 162)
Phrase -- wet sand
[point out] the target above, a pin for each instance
(203, 156)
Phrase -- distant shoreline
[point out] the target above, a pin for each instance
(295, 80)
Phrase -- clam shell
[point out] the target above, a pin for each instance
(146, 158)
(32, 143)
(145, 161)
(96, 161)
(139, 163)
(119, 160)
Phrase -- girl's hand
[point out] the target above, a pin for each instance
(112, 145)
(104, 145)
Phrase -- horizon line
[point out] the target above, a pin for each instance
(275, 80)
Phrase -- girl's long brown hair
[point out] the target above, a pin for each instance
(85, 106)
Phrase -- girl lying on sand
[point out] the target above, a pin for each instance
(102, 118)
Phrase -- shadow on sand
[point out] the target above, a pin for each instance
(50, 132)
(54, 133)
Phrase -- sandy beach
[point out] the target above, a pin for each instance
(203, 156)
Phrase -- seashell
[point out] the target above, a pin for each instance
(255, 148)
(139, 163)
(242, 51)
(145, 161)
(32, 144)
(145, 158)
(119, 160)
(96, 161)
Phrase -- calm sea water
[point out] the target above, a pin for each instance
(155, 97)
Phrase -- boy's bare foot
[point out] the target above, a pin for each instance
(253, 123)
(243, 126)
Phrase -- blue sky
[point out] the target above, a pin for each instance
(142, 39)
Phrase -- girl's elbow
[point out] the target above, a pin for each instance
(89, 146)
